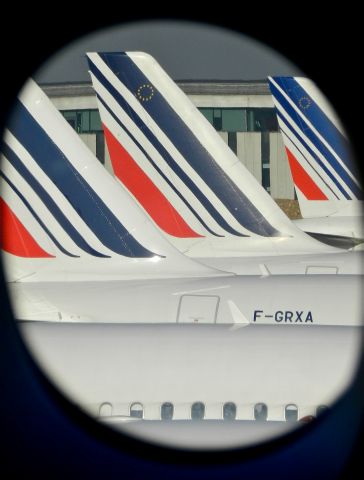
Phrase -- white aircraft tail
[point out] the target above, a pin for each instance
(177, 167)
(322, 166)
(64, 217)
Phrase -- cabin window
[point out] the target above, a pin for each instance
(291, 413)
(136, 410)
(167, 411)
(321, 409)
(260, 412)
(105, 410)
(198, 411)
(229, 411)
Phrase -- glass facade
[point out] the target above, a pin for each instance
(88, 121)
(83, 121)
(242, 119)
(223, 119)
(235, 120)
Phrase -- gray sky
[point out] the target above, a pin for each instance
(185, 50)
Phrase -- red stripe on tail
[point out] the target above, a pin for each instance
(144, 190)
(15, 238)
(303, 181)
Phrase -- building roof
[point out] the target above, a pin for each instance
(190, 87)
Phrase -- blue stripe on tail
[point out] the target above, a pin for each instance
(74, 187)
(32, 211)
(165, 154)
(314, 156)
(48, 201)
(155, 166)
(306, 129)
(317, 118)
(188, 145)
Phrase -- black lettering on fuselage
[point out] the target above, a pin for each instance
(286, 316)
(257, 314)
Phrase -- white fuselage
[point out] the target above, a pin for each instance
(106, 368)
(272, 299)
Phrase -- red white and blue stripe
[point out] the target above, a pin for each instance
(319, 154)
(161, 160)
(49, 209)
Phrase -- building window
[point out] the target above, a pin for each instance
(233, 142)
(229, 411)
(136, 410)
(83, 121)
(95, 121)
(233, 119)
(262, 120)
(260, 411)
(265, 156)
(242, 119)
(208, 113)
(217, 119)
(291, 413)
(167, 411)
(198, 411)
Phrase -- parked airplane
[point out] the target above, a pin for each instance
(67, 220)
(169, 157)
(128, 319)
(325, 176)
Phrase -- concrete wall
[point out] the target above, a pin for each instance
(280, 175)
(232, 101)
(249, 152)
(89, 139)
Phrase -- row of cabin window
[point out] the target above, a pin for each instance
(229, 411)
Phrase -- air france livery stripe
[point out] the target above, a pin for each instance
(183, 139)
(316, 116)
(115, 160)
(300, 113)
(314, 156)
(37, 218)
(153, 200)
(286, 137)
(303, 181)
(163, 152)
(15, 238)
(15, 161)
(73, 186)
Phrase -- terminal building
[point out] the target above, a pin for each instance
(242, 113)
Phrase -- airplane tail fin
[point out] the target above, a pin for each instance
(170, 158)
(63, 216)
(322, 166)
